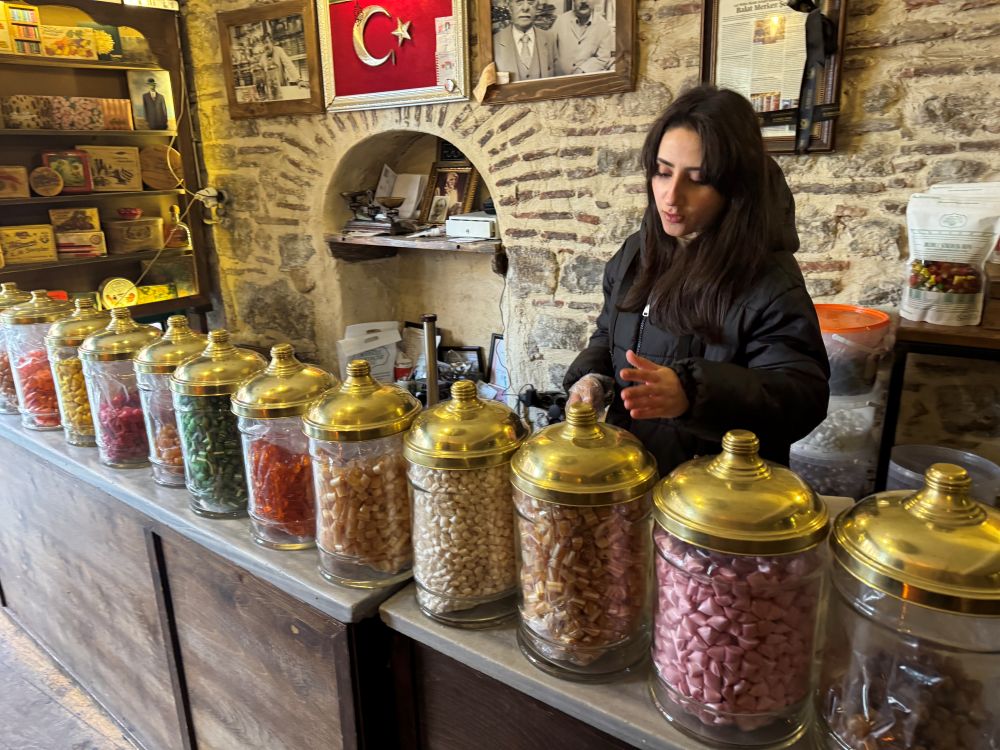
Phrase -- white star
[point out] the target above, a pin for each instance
(402, 31)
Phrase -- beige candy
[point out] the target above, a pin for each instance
(463, 536)
(73, 398)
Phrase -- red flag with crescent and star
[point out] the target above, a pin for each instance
(384, 45)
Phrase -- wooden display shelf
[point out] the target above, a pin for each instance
(86, 197)
(125, 258)
(5, 132)
(48, 62)
(385, 241)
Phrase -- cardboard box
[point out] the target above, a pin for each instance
(107, 41)
(30, 243)
(6, 44)
(14, 182)
(77, 113)
(116, 114)
(27, 111)
(379, 349)
(68, 42)
(134, 235)
(74, 220)
(81, 244)
(155, 293)
(114, 168)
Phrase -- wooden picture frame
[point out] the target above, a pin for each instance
(470, 355)
(772, 22)
(74, 167)
(445, 195)
(114, 168)
(270, 60)
(558, 77)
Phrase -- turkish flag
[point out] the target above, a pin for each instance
(414, 65)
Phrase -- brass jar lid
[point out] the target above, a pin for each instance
(360, 409)
(39, 308)
(287, 388)
(179, 343)
(120, 340)
(583, 462)
(464, 432)
(937, 547)
(739, 504)
(11, 295)
(85, 320)
(219, 370)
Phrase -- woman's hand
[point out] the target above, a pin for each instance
(661, 395)
(587, 390)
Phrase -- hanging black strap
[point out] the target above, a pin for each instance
(821, 43)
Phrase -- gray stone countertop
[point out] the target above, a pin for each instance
(294, 572)
(623, 708)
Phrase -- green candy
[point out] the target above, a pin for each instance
(213, 454)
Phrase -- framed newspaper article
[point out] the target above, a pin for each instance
(785, 57)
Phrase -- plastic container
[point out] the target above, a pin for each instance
(908, 463)
(9, 295)
(62, 341)
(849, 474)
(912, 649)
(854, 338)
(739, 580)
(270, 405)
(363, 516)
(584, 522)
(459, 455)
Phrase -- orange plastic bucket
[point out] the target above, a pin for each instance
(854, 343)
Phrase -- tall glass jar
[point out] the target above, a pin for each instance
(584, 524)
(62, 342)
(25, 326)
(202, 390)
(912, 651)
(9, 295)
(114, 394)
(739, 571)
(363, 502)
(154, 364)
(459, 455)
(270, 406)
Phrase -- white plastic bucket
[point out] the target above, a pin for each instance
(909, 462)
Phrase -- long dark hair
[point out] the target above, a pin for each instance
(690, 287)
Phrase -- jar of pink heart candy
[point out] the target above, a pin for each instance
(739, 571)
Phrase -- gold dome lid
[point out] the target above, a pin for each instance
(287, 388)
(85, 320)
(40, 308)
(737, 503)
(219, 370)
(360, 409)
(179, 343)
(11, 295)
(583, 462)
(937, 547)
(122, 338)
(464, 432)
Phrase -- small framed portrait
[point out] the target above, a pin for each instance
(466, 361)
(270, 60)
(152, 100)
(496, 366)
(451, 190)
(114, 168)
(73, 167)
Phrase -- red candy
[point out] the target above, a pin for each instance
(38, 391)
(122, 430)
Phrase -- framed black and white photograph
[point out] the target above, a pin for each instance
(467, 360)
(557, 49)
(451, 190)
(271, 60)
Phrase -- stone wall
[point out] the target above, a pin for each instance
(920, 105)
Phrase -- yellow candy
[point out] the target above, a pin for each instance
(73, 400)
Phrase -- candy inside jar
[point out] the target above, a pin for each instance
(9, 295)
(38, 389)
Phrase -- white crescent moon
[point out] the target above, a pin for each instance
(359, 37)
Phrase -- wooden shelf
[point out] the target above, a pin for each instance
(38, 61)
(86, 197)
(126, 258)
(5, 132)
(417, 243)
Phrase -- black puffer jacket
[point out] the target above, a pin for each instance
(768, 375)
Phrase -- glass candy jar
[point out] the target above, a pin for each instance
(154, 364)
(202, 388)
(912, 651)
(739, 566)
(584, 523)
(459, 455)
(114, 394)
(9, 295)
(270, 406)
(62, 342)
(363, 501)
(25, 326)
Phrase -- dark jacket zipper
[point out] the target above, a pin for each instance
(642, 327)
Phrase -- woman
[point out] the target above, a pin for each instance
(707, 325)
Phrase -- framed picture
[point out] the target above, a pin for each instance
(73, 167)
(451, 190)
(152, 100)
(557, 49)
(393, 55)
(270, 60)
(496, 366)
(467, 359)
(759, 50)
(114, 168)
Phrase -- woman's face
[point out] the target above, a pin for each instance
(684, 203)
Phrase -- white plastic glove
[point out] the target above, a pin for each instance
(589, 389)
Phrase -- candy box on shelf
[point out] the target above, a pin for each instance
(68, 42)
(134, 235)
(107, 41)
(116, 114)
(156, 292)
(77, 113)
(14, 182)
(29, 243)
(81, 244)
(26, 111)
(74, 220)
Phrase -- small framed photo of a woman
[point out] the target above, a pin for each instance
(451, 190)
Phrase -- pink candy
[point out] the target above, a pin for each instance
(733, 635)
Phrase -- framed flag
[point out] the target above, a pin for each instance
(393, 53)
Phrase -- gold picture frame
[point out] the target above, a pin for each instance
(451, 189)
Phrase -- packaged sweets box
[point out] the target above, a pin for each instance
(81, 244)
(36, 112)
(30, 243)
(68, 42)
